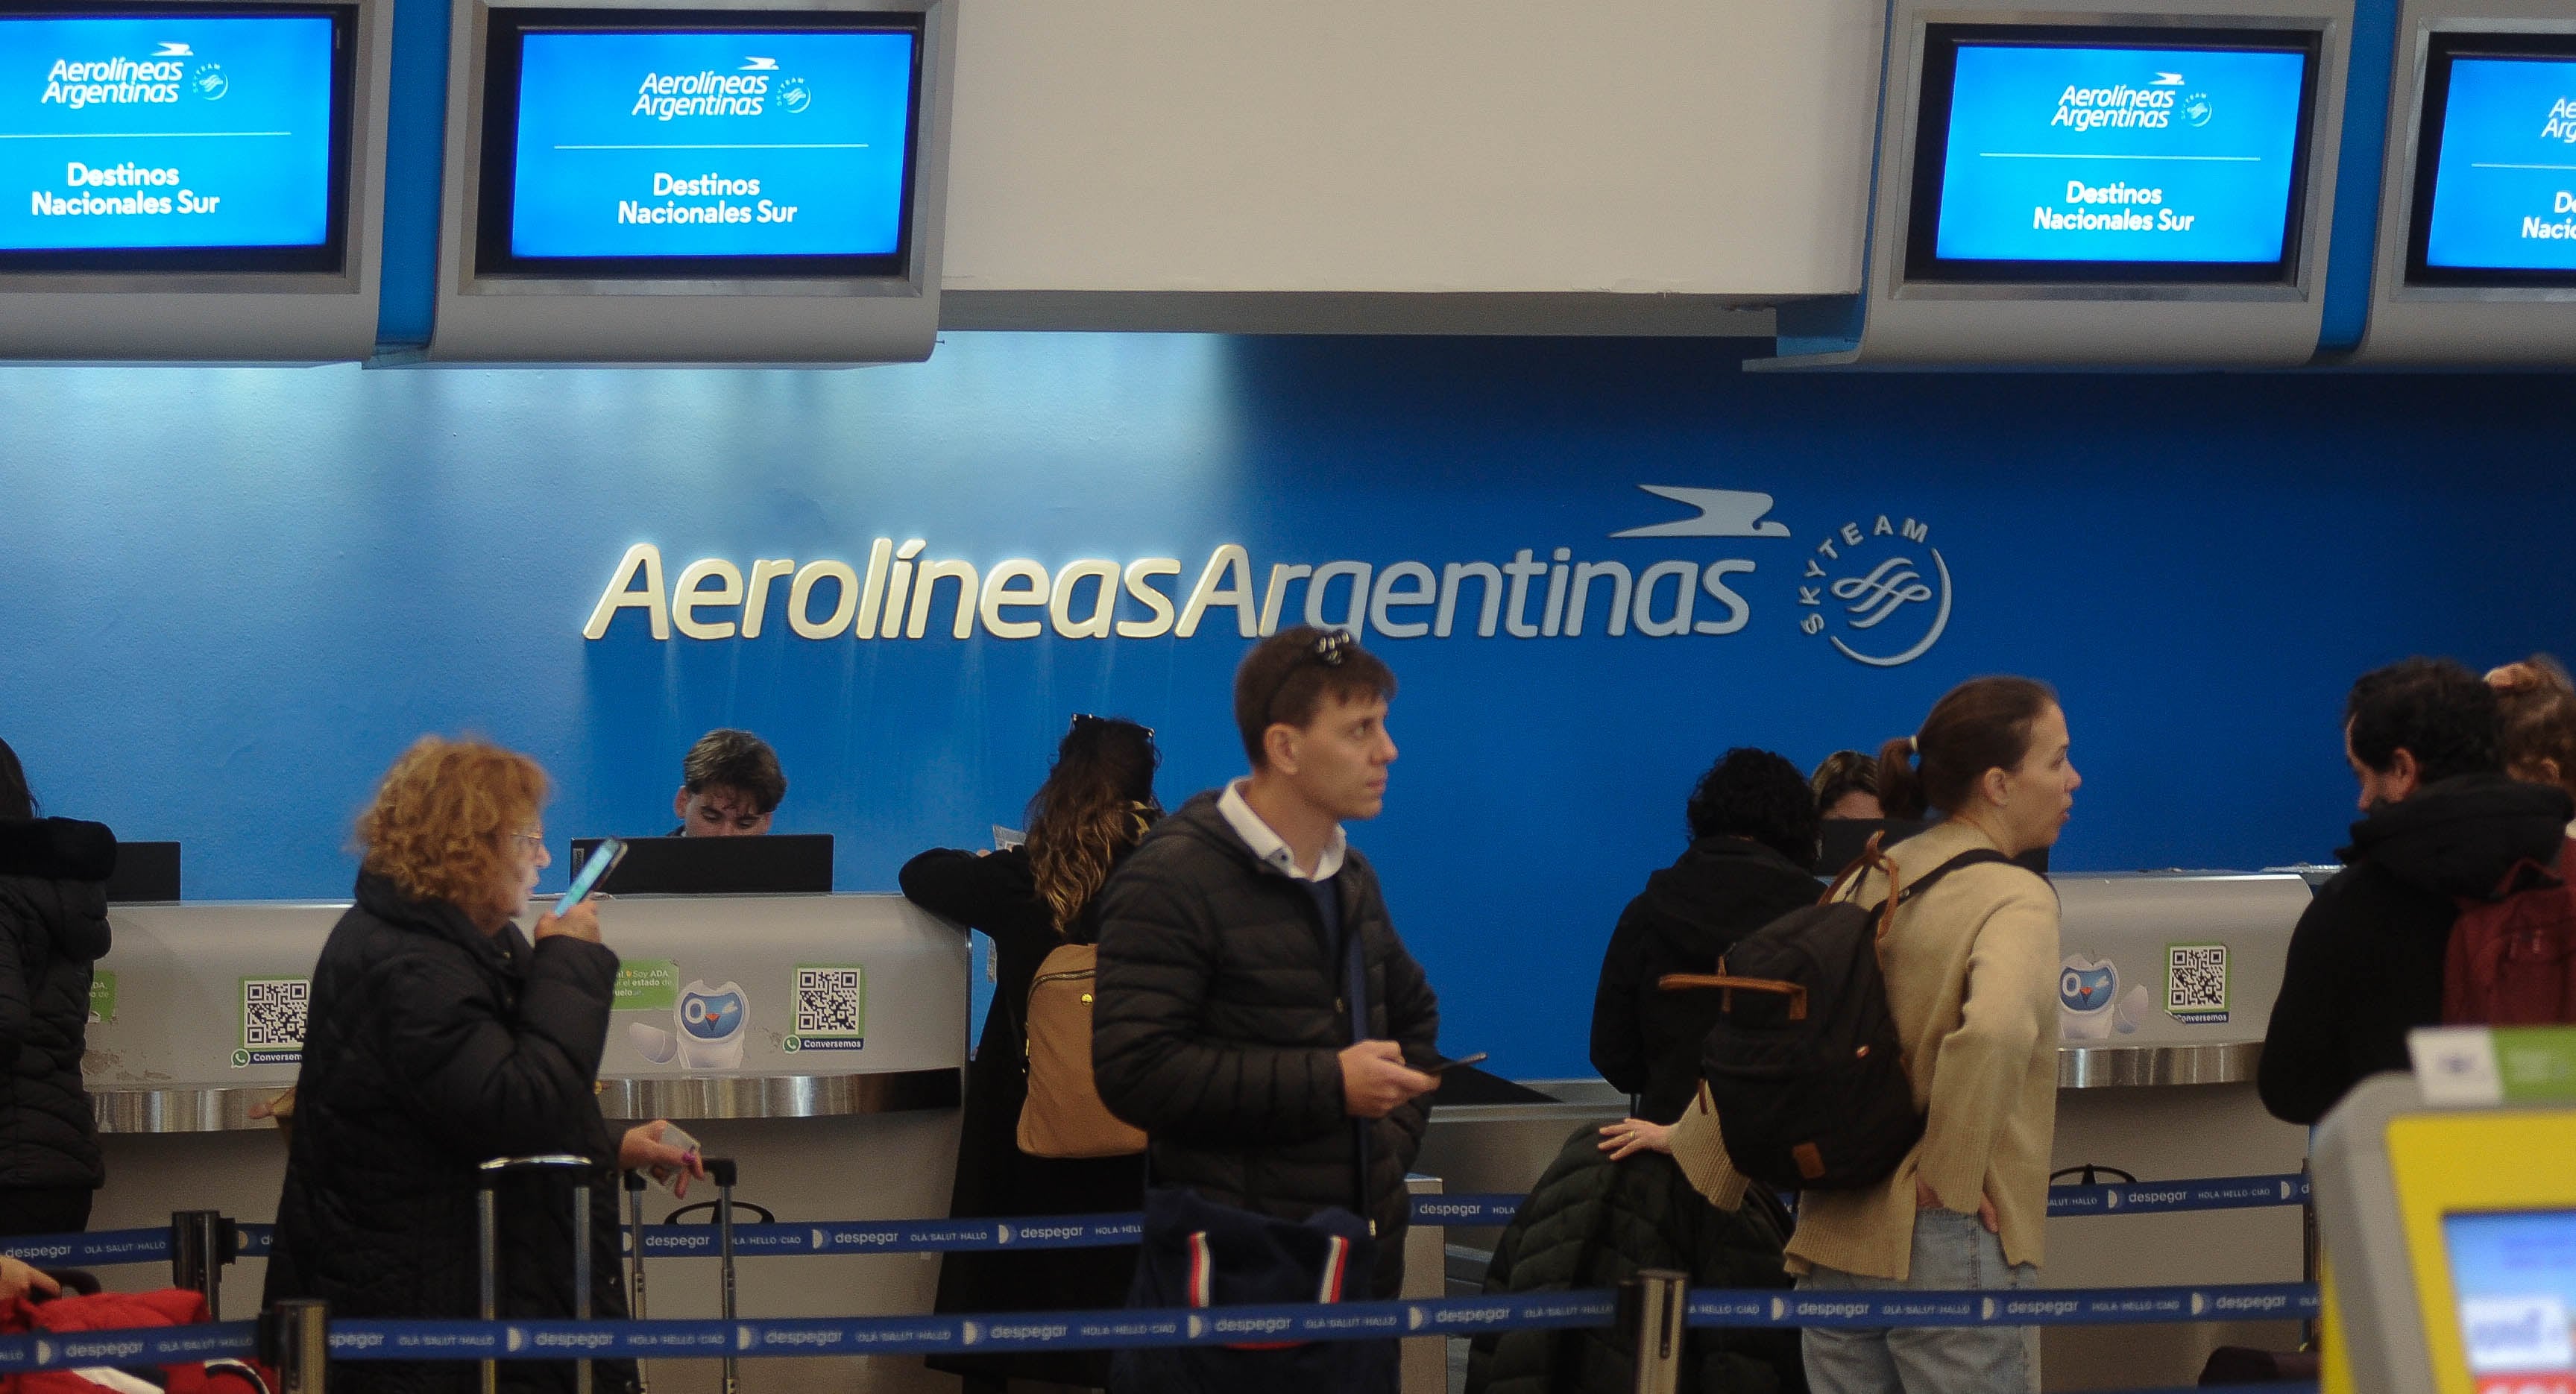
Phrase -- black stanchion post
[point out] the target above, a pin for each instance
(1651, 1314)
(201, 1243)
(295, 1340)
(581, 1305)
(635, 1263)
(721, 1170)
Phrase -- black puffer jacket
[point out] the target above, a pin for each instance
(1593, 1223)
(53, 926)
(1219, 1027)
(2365, 962)
(430, 1047)
(1646, 1041)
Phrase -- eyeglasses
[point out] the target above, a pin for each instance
(536, 842)
(1330, 649)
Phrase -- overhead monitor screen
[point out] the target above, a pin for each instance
(698, 144)
(2514, 1273)
(2495, 162)
(144, 138)
(2089, 154)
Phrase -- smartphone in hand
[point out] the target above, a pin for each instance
(603, 860)
(1444, 1066)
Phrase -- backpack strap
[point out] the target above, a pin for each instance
(1898, 892)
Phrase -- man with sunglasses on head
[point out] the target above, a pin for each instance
(1221, 1027)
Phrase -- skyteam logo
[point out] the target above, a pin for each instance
(208, 81)
(794, 96)
(2148, 107)
(2197, 108)
(1878, 592)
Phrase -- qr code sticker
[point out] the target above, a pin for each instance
(273, 1012)
(831, 1001)
(2196, 979)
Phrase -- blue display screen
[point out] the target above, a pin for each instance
(2112, 154)
(2515, 1276)
(730, 144)
(2503, 194)
(166, 132)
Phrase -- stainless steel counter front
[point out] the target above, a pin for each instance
(215, 1110)
(2120, 1067)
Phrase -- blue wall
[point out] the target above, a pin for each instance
(234, 594)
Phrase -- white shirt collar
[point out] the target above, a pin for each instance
(1268, 845)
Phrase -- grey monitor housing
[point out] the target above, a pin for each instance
(2453, 324)
(1898, 322)
(232, 316)
(532, 319)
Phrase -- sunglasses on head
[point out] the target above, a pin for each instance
(1329, 650)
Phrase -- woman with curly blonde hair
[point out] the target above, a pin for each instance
(438, 1036)
(1092, 811)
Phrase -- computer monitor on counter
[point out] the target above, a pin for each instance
(779, 862)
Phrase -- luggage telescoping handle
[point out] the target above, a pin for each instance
(1728, 983)
(721, 1170)
(635, 1262)
(487, 1226)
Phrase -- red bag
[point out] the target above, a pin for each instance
(116, 1311)
(2512, 960)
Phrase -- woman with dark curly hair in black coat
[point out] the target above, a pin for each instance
(1094, 808)
(441, 1036)
(53, 926)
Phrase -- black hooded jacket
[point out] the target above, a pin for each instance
(1646, 1041)
(53, 926)
(2366, 960)
(430, 1047)
(1219, 1027)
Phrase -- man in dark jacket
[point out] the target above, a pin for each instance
(53, 927)
(2443, 825)
(1221, 1027)
(1753, 835)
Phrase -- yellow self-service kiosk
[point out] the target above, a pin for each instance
(2447, 1204)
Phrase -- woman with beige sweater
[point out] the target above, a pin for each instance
(1971, 969)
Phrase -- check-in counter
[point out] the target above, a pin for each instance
(818, 1039)
(2164, 991)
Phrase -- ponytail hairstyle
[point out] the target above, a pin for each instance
(1094, 808)
(1980, 725)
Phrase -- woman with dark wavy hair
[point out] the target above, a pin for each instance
(1094, 808)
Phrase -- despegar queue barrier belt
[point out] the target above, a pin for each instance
(358, 1339)
(1105, 1231)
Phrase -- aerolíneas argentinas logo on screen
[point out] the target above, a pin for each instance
(2122, 107)
(2561, 125)
(744, 92)
(155, 78)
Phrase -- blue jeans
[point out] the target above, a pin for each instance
(1951, 1251)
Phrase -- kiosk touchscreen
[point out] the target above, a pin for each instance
(2447, 1203)
(2495, 166)
(2078, 154)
